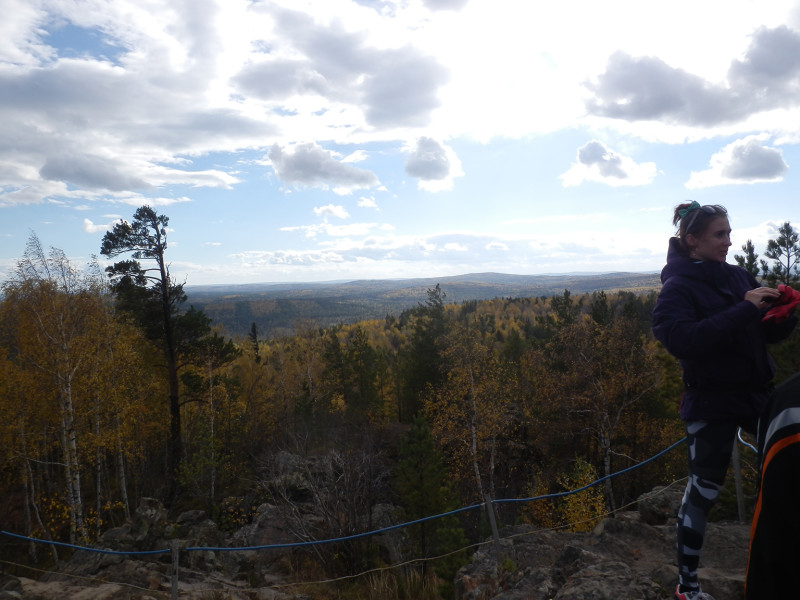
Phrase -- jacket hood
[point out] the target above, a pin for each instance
(680, 264)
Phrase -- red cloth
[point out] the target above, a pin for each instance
(784, 305)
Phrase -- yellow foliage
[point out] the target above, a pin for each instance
(583, 510)
(55, 514)
(338, 403)
(542, 512)
(580, 511)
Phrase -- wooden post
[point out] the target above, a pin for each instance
(175, 561)
(493, 523)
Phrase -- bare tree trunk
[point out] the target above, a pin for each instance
(71, 463)
(213, 433)
(608, 487)
(32, 485)
(123, 480)
(473, 429)
(492, 455)
(98, 469)
(28, 498)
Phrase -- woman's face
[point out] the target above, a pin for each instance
(713, 243)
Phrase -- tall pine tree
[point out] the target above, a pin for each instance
(147, 291)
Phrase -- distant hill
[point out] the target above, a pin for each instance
(276, 307)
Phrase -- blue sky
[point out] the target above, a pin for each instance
(317, 140)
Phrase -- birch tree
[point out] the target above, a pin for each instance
(54, 306)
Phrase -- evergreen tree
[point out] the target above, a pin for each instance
(253, 337)
(599, 309)
(147, 291)
(749, 261)
(364, 369)
(421, 481)
(784, 250)
(421, 363)
(513, 347)
(565, 310)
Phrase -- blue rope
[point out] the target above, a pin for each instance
(365, 534)
(74, 547)
(340, 539)
(601, 480)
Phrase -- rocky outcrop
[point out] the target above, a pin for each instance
(210, 573)
(630, 556)
(624, 557)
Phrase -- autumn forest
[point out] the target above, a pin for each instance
(113, 388)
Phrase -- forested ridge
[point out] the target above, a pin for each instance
(425, 411)
(275, 307)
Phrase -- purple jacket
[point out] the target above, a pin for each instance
(702, 318)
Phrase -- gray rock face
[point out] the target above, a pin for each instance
(660, 506)
(623, 557)
(630, 556)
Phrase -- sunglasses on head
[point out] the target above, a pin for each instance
(694, 209)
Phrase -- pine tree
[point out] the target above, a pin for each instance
(254, 343)
(421, 364)
(749, 261)
(784, 250)
(421, 481)
(146, 290)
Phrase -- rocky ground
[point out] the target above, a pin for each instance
(630, 556)
(623, 558)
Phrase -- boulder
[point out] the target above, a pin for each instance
(140, 533)
(660, 505)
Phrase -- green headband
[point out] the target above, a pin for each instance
(685, 211)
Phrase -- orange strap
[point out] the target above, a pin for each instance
(774, 449)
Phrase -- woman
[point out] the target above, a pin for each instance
(709, 316)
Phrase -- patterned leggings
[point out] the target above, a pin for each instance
(710, 448)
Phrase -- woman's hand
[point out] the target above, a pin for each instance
(762, 296)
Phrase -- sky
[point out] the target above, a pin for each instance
(329, 140)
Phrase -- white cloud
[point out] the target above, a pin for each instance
(308, 164)
(331, 211)
(455, 247)
(154, 201)
(355, 157)
(497, 246)
(459, 252)
(312, 231)
(91, 172)
(648, 89)
(90, 227)
(759, 234)
(366, 202)
(743, 161)
(434, 164)
(167, 82)
(445, 4)
(313, 57)
(599, 164)
(428, 160)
